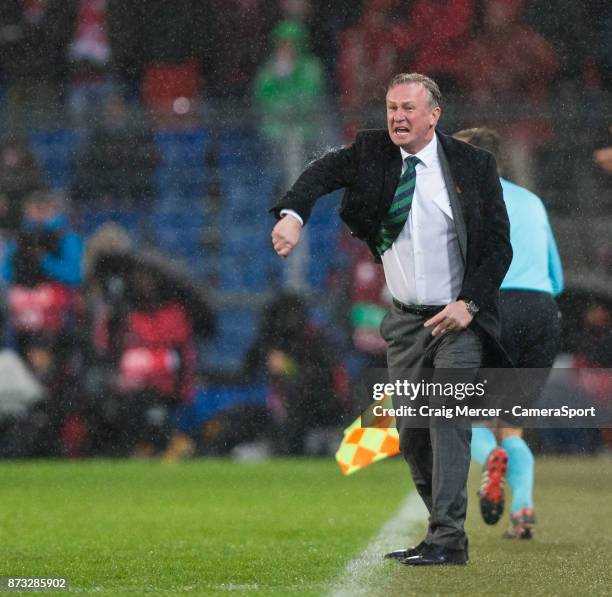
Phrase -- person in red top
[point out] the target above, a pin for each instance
(509, 61)
(508, 58)
(367, 58)
(435, 42)
(369, 297)
(148, 340)
(156, 346)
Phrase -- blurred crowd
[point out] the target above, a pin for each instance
(99, 344)
(294, 59)
(100, 352)
(102, 340)
(78, 50)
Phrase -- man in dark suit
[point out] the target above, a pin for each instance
(431, 210)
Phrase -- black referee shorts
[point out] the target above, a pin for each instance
(531, 333)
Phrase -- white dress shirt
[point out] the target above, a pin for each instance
(424, 265)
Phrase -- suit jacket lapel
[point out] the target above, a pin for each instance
(453, 194)
(393, 170)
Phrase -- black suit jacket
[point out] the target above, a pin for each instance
(370, 168)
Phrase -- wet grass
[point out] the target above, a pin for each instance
(200, 527)
(570, 554)
(214, 527)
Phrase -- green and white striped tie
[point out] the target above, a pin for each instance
(396, 217)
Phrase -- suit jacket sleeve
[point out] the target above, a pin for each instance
(335, 170)
(482, 284)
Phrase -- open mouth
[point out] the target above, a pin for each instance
(401, 130)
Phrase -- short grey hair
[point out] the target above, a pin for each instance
(435, 95)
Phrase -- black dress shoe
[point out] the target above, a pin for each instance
(437, 555)
(400, 554)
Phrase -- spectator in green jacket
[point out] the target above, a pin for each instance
(289, 86)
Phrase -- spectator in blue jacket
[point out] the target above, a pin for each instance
(42, 271)
(46, 249)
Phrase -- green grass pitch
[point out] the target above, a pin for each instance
(213, 527)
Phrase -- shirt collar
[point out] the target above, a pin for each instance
(427, 155)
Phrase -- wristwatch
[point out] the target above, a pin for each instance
(471, 306)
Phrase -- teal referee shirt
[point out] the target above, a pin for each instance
(536, 264)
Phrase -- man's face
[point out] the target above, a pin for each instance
(410, 120)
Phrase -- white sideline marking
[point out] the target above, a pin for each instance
(397, 532)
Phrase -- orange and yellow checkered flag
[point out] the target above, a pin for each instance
(362, 446)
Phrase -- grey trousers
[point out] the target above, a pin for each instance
(438, 455)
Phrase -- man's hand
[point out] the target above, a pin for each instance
(453, 318)
(286, 235)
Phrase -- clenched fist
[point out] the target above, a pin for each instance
(286, 235)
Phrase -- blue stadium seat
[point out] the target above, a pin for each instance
(211, 401)
(183, 147)
(56, 150)
(189, 216)
(236, 332)
(181, 171)
(240, 147)
(324, 228)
